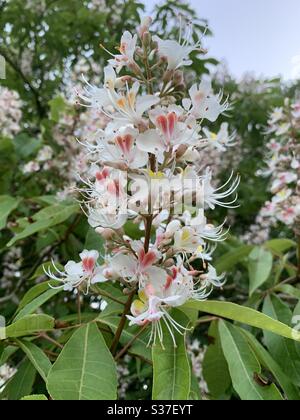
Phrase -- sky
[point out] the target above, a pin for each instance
(261, 36)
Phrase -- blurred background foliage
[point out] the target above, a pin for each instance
(47, 44)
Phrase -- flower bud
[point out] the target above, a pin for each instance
(144, 27)
(181, 150)
(169, 262)
(167, 77)
(147, 39)
(106, 233)
(178, 77)
(172, 228)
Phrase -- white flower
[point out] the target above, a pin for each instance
(282, 195)
(177, 53)
(282, 129)
(213, 196)
(211, 278)
(45, 154)
(127, 50)
(31, 167)
(10, 112)
(221, 140)
(138, 269)
(81, 274)
(130, 105)
(287, 216)
(156, 297)
(276, 115)
(283, 179)
(204, 103)
(120, 147)
(169, 133)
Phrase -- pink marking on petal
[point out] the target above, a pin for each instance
(172, 120)
(88, 264)
(162, 124)
(113, 187)
(168, 282)
(149, 290)
(102, 175)
(147, 260)
(125, 143)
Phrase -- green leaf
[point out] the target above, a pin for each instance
(171, 368)
(132, 230)
(244, 366)
(7, 205)
(37, 397)
(85, 369)
(280, 245)
(57, 107)
(37, 357)
(244, 315)
(231, 258)
(34, 292)
(287, 289)
(21, 383)
(26, 146)
(284, 351)
(259, 267)
(45, 219)
(37, 303)
(214, 361)
(29, 325)
(8, 163)
(7, 353)
(291, 392)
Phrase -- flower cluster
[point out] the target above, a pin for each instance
(283, 165)
(10, 112)
(145, 172)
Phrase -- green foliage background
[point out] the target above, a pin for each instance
(33, 221)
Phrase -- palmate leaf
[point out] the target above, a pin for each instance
(37, 357)
(233, 257)
(280, 245)
(34, 292)
(244, 366)
(171, 368)
(244, 315)
(36, 303)
(7, 205)
(260, 262)
(29, 325)
(85, 369)
(21, 383)
(284, 351)
(290, 390)
(215, 368)
(44, 219)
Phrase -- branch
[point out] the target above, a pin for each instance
(130, 342)
(40, 108)
(122, 322)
